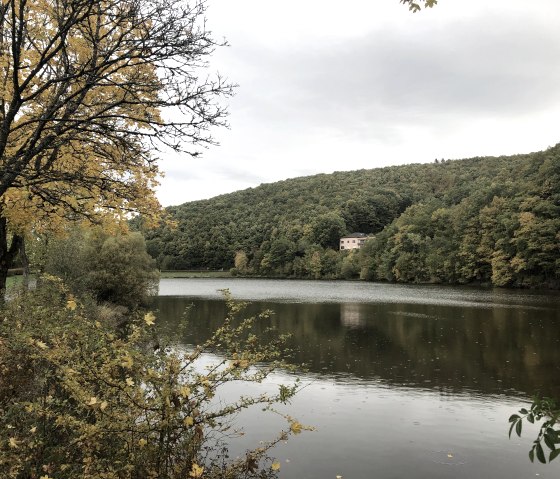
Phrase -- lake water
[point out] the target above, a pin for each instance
(400, 381)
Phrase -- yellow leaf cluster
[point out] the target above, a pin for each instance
(149, 318)
(196, 470)
(99, 170)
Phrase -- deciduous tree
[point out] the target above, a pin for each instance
(90, 92)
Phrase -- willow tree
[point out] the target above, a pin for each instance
(91, 92)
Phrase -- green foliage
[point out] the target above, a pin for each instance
(350, 267)
(80, 400)
(281, 251)
(113, 268)
(417, 6)
(549, 432)
(327, 229)
(481, 220)
(283, 220)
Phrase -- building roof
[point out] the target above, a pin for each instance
(355, 235)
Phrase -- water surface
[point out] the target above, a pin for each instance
(400, 381)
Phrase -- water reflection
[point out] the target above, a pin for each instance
(493, 350)
(401, 382)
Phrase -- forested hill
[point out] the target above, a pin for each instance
(485, 219)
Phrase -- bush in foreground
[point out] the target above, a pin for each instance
(81, 400)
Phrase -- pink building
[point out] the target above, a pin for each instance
(353, 241)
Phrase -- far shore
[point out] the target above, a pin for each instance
(196, 274)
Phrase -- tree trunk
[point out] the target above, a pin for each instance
(24, 263)
(8, 253)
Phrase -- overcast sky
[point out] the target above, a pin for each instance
(330, 85)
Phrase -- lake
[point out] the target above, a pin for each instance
(400, 381)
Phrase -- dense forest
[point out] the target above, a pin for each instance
(491, 220)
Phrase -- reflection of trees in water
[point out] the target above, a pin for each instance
(489, 350)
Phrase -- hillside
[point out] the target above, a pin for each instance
(485, 219)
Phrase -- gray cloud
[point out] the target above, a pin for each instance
(391, 77)
(481, 79)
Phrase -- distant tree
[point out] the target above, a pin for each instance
(241, 261)
(372, 214)
(327, 229)
(359, 216)
(330, 264)
(314, 265)
(350, 267)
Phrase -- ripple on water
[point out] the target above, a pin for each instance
(355, 292)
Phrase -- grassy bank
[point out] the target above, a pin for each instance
(195, 274)
(16, 280)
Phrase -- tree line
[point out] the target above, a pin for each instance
(489, 220)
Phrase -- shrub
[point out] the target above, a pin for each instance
(113, 268)
(81, 400)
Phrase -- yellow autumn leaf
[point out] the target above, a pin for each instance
(185, 391)
(103, 405)
(142, 442)
(127, 362)
(149, 318)
(71, 305)
(41, 344)
(92, 401)
(188, 421)
(129, 381)
(296, 427)
(13, 443)
(196, 470)
(33, 430)
(275, 466)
